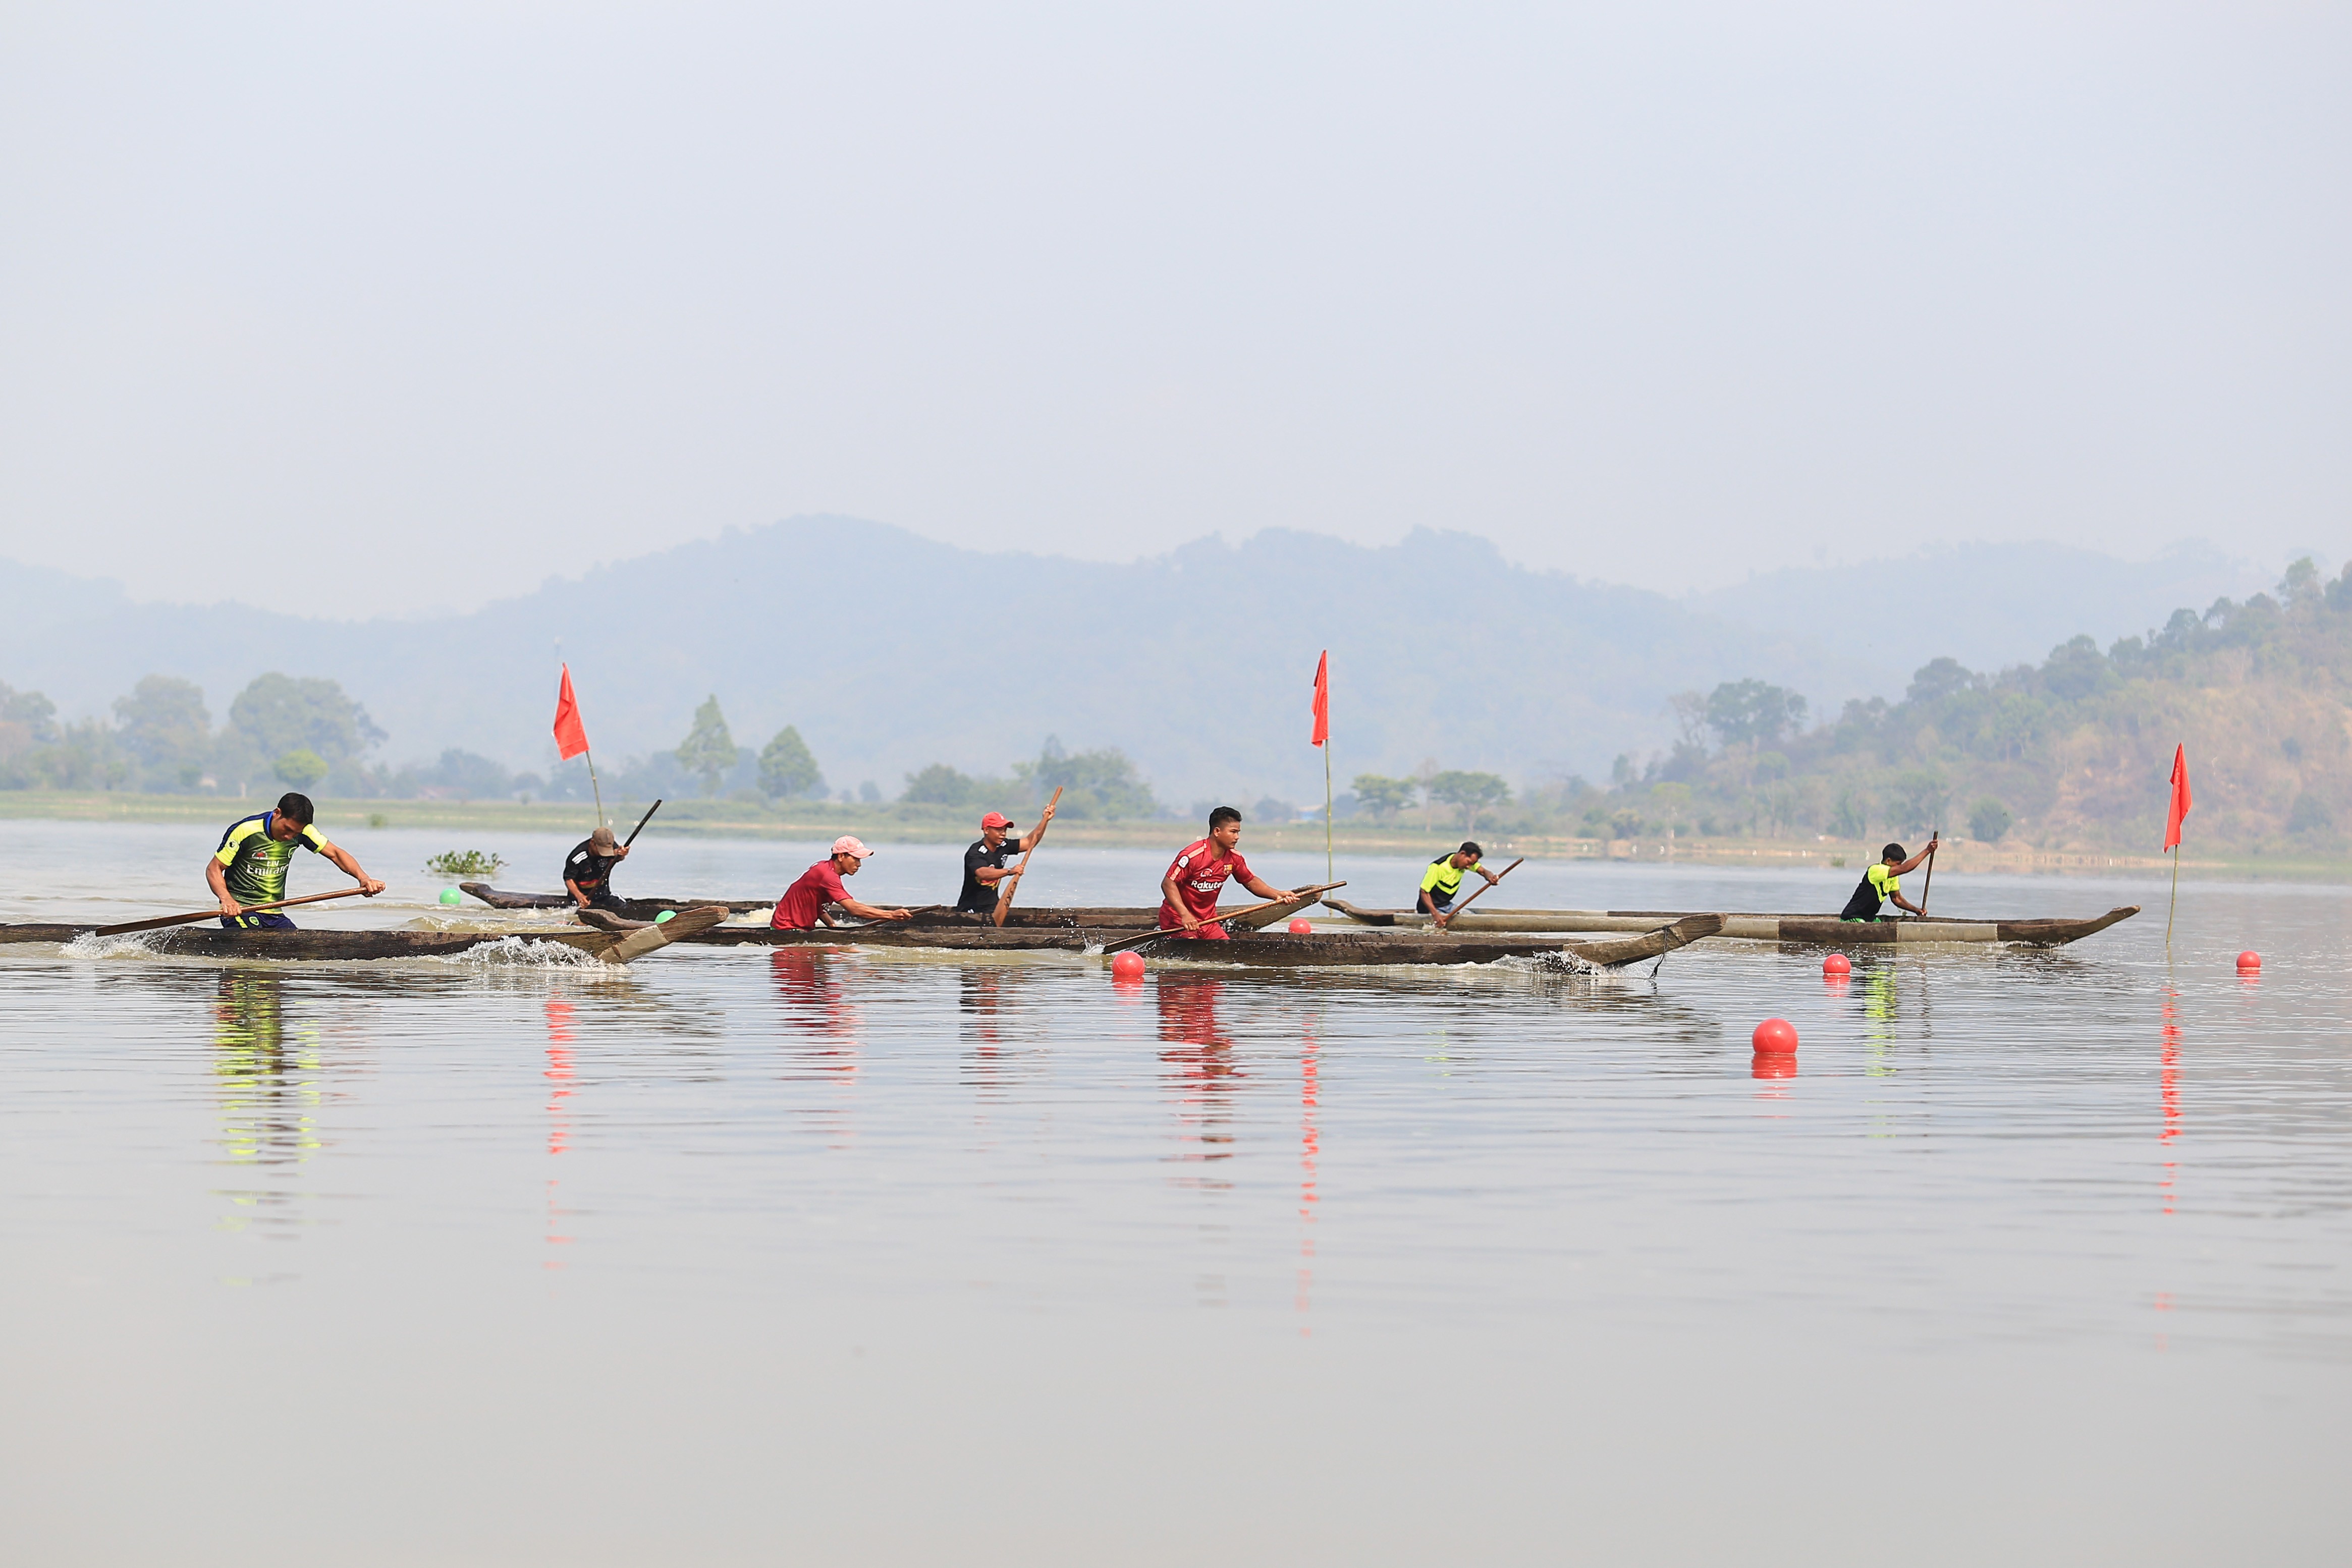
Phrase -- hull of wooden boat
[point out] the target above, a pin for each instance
(1818, 929)
(632, 908)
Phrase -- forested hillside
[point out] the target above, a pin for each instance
(2075, 750)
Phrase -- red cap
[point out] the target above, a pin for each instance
(996, 819)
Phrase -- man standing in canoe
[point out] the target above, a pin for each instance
(803, 905)
(251, 865)
(1882, 881)
(985, 873)
(1441, 885)
(588, 871)
(1187, 893)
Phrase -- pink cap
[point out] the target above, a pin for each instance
(996, 819)
(846, 845)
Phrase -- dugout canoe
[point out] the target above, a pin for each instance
(314, 945)
(1261, 949)
(1823, 930)
(635, 908)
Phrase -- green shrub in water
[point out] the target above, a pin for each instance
(463, 863)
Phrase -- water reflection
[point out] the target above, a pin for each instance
(558, 1073)
(1310, 1147)
(820, 1037)
(268, 1092)
(1197, 1064)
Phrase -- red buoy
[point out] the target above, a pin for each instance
(2250, 962)
(1775, 1037)
(1127, 966)
(1302, 929)
(1837, 964)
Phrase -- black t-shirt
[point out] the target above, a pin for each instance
(978, 897)
(586, 867)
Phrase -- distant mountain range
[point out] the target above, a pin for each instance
(890, 652)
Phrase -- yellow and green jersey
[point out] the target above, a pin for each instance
(256, 863)
(1444, 879)
(1878, 884)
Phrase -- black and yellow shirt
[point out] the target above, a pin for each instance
(256, 863)
(1878, 884)
(1443, 880)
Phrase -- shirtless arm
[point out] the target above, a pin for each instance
(1175, 901)
(344, 861)
(865, 911)
(216, 878)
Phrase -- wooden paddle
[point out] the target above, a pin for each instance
(214, 914)
(1482, 887)
(1302, 895)
(1935, 839)
(1005, 894)
(641, 824)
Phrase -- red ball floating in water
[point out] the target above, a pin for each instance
(1127, 966)
(1837, 964)
(1302, 929)
(1775, 1037)
(2250, 963)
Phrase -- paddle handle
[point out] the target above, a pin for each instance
(213, 912)
(1005, 894)
(1300, 895)
(1483, 887)
(1935, 839)
(641, 823)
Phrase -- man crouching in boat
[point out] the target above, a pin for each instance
(1879, 883)
(1441, 885)
(251, 865)
(1187, 893)
(803, 905)
(588, 872)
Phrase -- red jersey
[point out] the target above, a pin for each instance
(818, 886)
(1200, 875)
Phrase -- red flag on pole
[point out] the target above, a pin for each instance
(2179, 797)
(571, 735)
(1322, 699)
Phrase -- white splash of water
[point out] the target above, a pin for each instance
(520, 952)
(90, 945)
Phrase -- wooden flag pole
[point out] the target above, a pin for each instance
(1327, 807)
(2172, 908)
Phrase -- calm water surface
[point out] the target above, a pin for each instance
(820, 1256)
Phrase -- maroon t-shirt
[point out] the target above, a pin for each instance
(1200, 874)
(805, 899)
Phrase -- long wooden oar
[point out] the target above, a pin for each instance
(1482, 887)
(641, 824)
(213, 912)
(1005, 894)
(1929, 886)
(1300, 896)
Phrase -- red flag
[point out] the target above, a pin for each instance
(1322, 699)
(2179, 797)
(571, 735)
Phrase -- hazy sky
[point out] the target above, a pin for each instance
(362, 310)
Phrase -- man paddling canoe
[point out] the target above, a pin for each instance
(985, 874)
(1187, 893)
(249, 867)
(1882, 881)
(803, 905)
(588, 871)
(1441, 885)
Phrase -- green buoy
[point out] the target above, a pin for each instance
(449, 895)
(663, 918)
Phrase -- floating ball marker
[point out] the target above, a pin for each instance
(1837, 964)
(664, 917)
(1775, 1037)
(449, 895)
(1302, 929)
(2250, 963)
(1127, 966)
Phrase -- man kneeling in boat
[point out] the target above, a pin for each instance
(1881, 882)
(588, 872)
(803, 905)
(1187, 893)
(985, 874)
(1441, 885)
(251, 865)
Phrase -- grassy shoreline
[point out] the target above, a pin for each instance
(902, 824)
